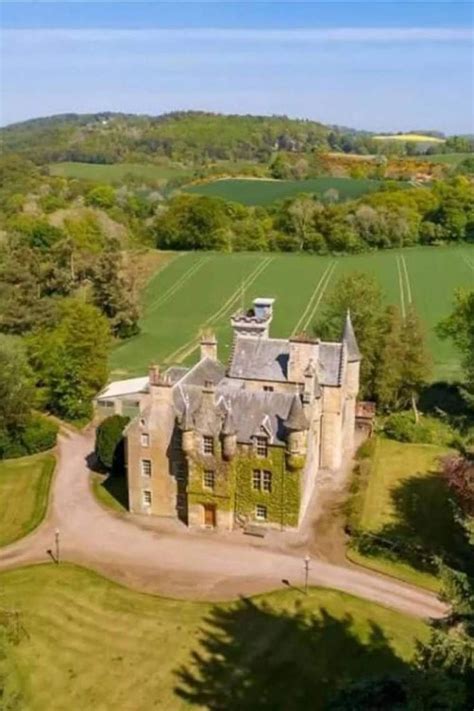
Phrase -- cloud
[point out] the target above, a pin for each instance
(290, 36)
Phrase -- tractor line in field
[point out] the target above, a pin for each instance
(323, 285)
(185, 350)
(402, 292)
(407, 278)
(309, 305)
(467, 260)
(178, 284)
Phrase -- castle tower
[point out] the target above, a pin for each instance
(351, 381)
(256, 321)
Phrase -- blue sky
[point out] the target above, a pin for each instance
(379, 66)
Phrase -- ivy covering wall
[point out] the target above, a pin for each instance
(233, 484)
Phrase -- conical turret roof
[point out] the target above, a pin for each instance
(348, 337)
(228, 426)
(296, 419)
(187, 421)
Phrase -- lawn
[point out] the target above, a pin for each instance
(253, 191)
(116, 172)
(202, 289)
(24, 490)
(111, 491)
(87, 643)
(404, 500)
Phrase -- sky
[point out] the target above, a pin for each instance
(379, 66)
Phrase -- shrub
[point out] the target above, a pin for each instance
(403, 427)
(38, 434)
(109, 442)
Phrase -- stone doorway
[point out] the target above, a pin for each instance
(209, 515)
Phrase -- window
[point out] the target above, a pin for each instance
(261, 512)
(262, 446)
(208, 445)
(147, 497)
(209, 480)
(262, 480)
(267, 481)
(146, 467)
(145, 439)
(268, 388)
(106, 404)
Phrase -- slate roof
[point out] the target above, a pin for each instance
(251, 410)
(260, 359)
(296, 419)
(267, 359)
(206, 371)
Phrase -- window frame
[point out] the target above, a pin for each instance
(261, 446)
(266, 481)
(208, 445)
(145, 439)
(212, 475)
(147, 497)
(261, 512)
(144, 467)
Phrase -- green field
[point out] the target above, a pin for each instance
(115, 172)
(87, 643)
(24, 490)
(449, 158)
(199, 290)
(405, 499)
(263, 192)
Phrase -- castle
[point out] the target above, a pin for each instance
(225, 446)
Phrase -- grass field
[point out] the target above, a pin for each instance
(87, 643)
(25, 482)
(449, 158)
(115, 172)
(405, 499)
(263, 192)
(198, 290)
(418, 137)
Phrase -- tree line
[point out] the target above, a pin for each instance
(393, 217)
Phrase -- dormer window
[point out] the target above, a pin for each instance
(261, 445)
(208, 445)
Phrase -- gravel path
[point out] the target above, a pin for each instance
(178, 562)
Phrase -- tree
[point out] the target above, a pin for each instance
(17, 394)
(115, 295)
(388, 375)
(102, 196)
(416, 361)
(70, 359)
(109, 442)
(459, 327)
(193, 222)
(362, 295)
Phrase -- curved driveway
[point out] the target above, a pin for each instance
(182, 563)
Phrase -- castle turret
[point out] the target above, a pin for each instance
(229, 435)
(187, 428)
(297, 425)
(256, 321)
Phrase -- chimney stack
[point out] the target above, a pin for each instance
(208, 345)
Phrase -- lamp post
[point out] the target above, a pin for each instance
(56, 542)
(306, 573)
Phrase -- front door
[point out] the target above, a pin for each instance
(210, 515)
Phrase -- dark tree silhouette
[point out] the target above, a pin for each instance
(254, 657)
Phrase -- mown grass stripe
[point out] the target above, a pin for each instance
(407, 279)
(400, 283)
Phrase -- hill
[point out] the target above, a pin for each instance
(195, 138)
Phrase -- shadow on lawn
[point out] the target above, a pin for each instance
(426, 526)
(252, 656)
